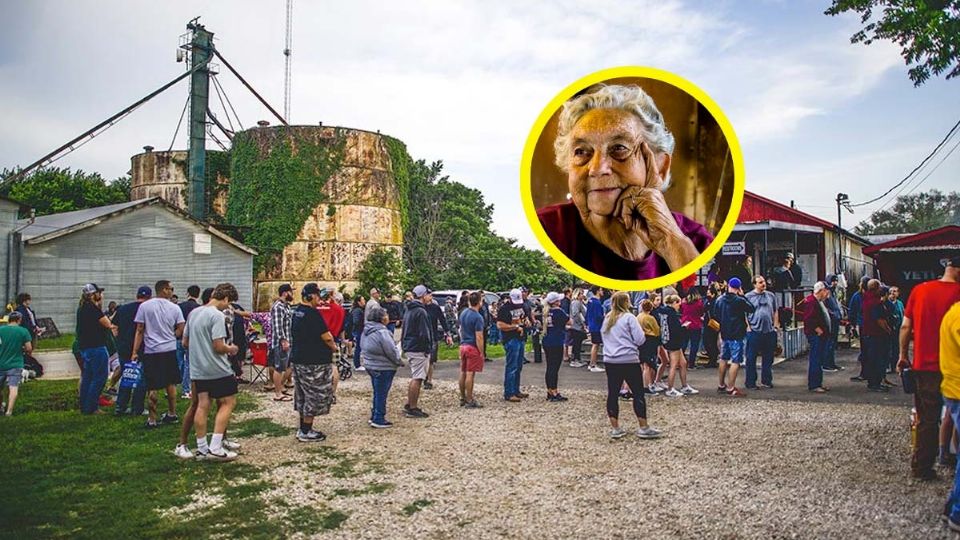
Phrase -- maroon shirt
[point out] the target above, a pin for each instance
(871, 307)
(814, 316)
(563, 225)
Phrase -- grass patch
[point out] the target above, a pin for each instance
(340, 465)
(452, 352)
(61, 343)
(416, 506)
(74, 476)
(374, 488)
(266, 427)
(308, 519)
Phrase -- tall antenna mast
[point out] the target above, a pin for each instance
(286, 53)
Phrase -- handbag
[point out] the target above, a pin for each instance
(714, 325)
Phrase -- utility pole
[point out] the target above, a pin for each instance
(287, 52)
(843, 200)
(201, 49)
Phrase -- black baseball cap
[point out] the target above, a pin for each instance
(952, 260)
(310, 289)
(144, 292)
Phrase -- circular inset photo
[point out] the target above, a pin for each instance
(632, 178)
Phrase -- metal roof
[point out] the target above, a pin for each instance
(45, 228)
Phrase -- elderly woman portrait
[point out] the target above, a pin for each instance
(615, 149)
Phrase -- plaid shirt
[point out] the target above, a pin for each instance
(280, 318)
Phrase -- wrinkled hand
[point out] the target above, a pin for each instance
(643, 211)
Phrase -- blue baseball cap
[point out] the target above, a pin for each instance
(144, 292)
(735, 283)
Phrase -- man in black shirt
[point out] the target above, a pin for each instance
(92, 326)
(183, 360)
(513, 322)
(126, 330)
(440, 332)
(311, 354)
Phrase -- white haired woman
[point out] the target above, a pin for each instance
(622, 338)
(616, 150)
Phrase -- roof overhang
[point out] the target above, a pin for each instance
(776, 225)
(144, 203)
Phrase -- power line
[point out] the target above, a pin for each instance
(917, 168)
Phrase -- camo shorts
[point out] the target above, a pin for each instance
(313, 389)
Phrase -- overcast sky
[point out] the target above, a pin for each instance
(464, 82)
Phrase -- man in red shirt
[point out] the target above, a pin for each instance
(331, 311)
(926, 306)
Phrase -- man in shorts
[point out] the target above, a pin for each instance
(417, 342)
(14, 341)
(471, 343)
(732, 309)
(311, 353)
(280, 341)
(211, 374)
(159, 326)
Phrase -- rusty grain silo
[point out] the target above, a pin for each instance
(164, 174)
(359, 213)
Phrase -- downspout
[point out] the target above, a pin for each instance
(15, 258)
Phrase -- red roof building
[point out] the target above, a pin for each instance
(913, 259)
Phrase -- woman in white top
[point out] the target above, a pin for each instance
(622, 338)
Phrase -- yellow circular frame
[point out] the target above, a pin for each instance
(648, 73)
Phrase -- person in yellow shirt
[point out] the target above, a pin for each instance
(950, 387)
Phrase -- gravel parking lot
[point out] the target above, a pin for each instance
(727, 468)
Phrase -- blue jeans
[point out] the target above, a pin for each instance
(814, 366)
(830, 351)
(512, 367)
(93, 378)
(356, 350)
(953, 501)
(183, 361)
(381, 381)
(693, 339)
(765, 345)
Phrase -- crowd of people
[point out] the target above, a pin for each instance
(644, 342)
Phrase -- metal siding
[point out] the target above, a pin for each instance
(119, 257)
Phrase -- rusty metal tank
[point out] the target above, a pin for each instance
(360, 212)
(164, 174)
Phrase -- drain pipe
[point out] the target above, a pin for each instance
(14, 257)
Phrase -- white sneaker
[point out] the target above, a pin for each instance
(361, 368)
(649, 433)
(230, 444)
(689, 390)
(223, 455)
(596, 369)
(186, 395)
(576, 364)
(661, 387)
(183, 452)
(673, 392)
(617, 433)
(655, 389)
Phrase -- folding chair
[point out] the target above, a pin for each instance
(258, 364)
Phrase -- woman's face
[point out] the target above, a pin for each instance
(604, 159)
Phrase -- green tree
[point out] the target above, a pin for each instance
(384, 270)
(53, 190)
(915, 213)
(927, 31)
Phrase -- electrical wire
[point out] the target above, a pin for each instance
(917, 168)
(179, 123)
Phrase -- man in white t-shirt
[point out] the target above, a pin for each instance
(159, 326)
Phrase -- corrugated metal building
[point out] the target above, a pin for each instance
(9, 209)
(908, 260)
(120, 247)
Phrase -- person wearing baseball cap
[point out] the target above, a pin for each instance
(927, 304)
(311, 353)
(92, 325)
(129, 400)
(732, 309)
(553, 340)
(512, 322)
(416, 341)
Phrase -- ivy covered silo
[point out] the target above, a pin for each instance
(314, 201)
